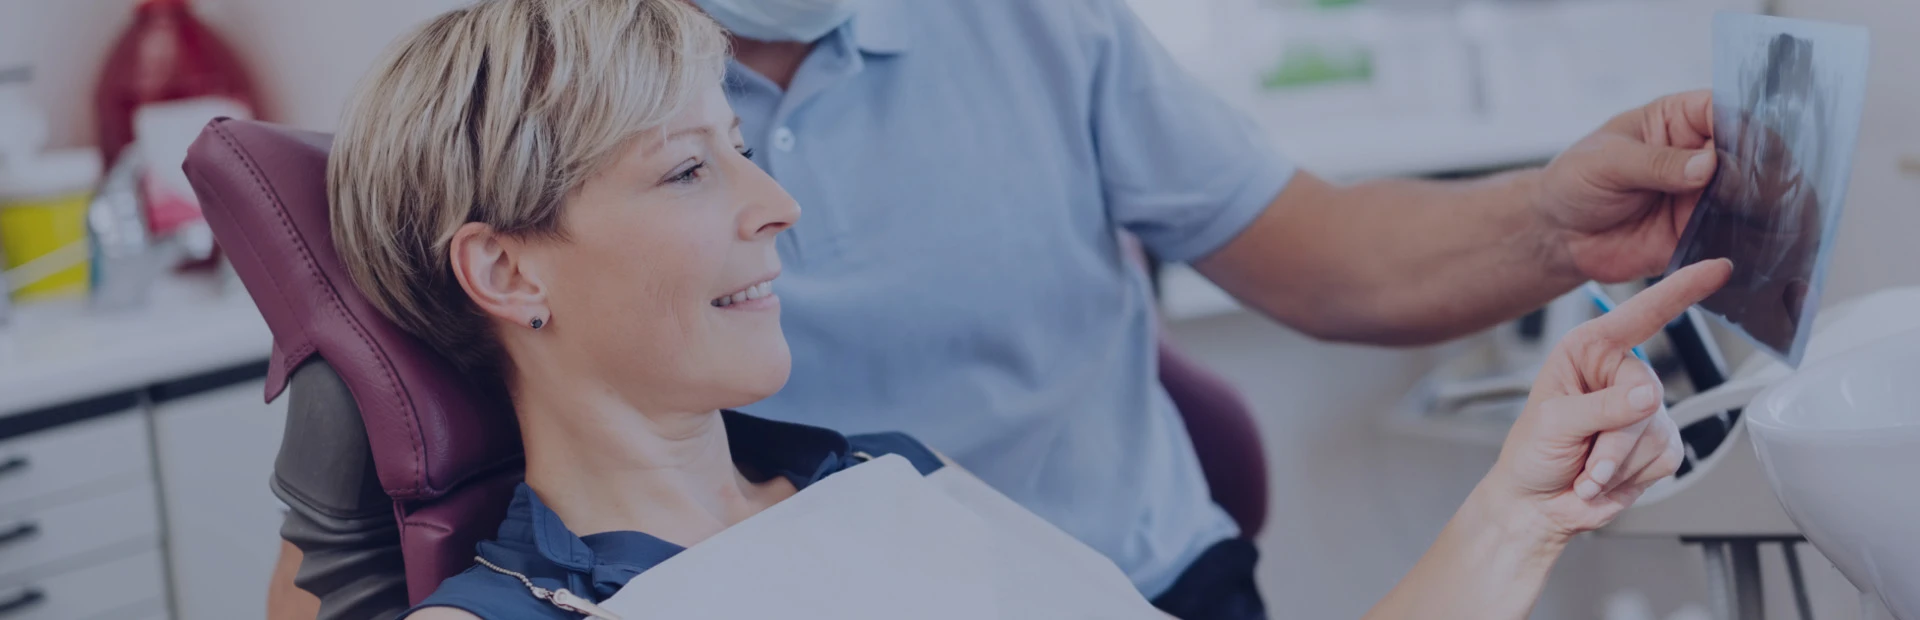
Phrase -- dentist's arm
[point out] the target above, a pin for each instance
(1414, 262)
(1492, 559)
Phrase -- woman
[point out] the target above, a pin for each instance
(553, 194)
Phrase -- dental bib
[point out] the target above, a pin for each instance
(880, 541)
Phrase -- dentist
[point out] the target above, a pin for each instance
(966, 167)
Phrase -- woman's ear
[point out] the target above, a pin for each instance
(493, 270)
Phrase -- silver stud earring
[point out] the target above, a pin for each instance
(537, 323)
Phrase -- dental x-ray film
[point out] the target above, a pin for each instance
(1787, 95)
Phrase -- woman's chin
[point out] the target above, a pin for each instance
(758, 382)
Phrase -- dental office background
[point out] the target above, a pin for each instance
(162, 510)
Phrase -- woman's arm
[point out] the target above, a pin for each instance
(284, 600)
(1492, 559)
(1489, 562)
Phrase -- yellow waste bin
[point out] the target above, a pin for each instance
(43, 222)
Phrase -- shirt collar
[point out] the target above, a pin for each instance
(803, 454)
(881, 27)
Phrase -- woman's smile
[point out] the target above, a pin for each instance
(755, 297)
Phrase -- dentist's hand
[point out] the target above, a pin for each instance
(1619, 198)
(1560, 466)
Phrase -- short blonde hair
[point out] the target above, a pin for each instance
(495, 113)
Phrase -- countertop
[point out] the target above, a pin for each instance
(58, 351)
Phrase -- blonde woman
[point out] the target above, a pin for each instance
(556, 195)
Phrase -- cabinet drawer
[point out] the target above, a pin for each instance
(31, 538)
(64, 458)
(131, 582)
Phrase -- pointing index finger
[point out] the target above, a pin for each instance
(1642, 316)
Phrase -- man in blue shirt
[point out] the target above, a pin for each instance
(965, 167)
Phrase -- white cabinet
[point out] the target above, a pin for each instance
(128, 587)
(77, 510)
(215, 452)
(73, 458)
(36, 540)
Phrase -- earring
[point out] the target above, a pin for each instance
(537, 323)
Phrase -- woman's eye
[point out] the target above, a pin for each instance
(746, 152)
(691, 173)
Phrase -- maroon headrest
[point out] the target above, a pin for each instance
(264, 191)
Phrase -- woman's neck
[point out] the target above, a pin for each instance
(604, 466)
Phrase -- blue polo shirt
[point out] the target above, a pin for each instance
(533, 542)
(963, 167)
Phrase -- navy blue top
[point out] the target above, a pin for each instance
(533, 542)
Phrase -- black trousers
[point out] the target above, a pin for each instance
(1217, 586)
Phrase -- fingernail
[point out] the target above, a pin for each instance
(1643, 398)
(1603, 472)
(1699, 166)
(1586, 489)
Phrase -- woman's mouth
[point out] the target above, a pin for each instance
(754, 296)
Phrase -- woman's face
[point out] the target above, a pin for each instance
(662, 284)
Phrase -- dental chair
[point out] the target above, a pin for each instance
(444, 452)
(435, 456)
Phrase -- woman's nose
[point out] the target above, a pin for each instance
(770, 209)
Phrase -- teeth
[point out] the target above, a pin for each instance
(756, 291)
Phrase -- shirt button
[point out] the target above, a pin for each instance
(783, 139)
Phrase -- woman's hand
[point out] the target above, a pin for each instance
(1594, 402)
(1561, 467)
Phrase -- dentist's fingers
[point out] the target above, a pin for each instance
(1661, 168)
(1642, 316)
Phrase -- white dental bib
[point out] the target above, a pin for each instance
(880, 541)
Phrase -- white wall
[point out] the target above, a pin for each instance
(304, 55)
(64, 42)
(308, 55)
(1879, 240)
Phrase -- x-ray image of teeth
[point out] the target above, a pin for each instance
(1787, 99)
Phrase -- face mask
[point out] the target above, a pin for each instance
(804, 21)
